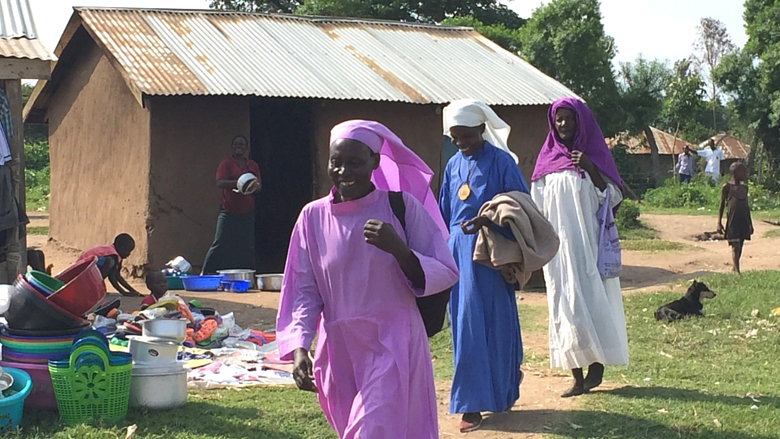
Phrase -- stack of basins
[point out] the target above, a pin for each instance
(159, 379)
(44, 315)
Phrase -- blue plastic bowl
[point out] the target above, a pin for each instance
(12, 406)
(235, 286)
(201, 283)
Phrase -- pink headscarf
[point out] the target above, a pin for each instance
(400, 169)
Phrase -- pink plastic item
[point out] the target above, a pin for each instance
(42, 395)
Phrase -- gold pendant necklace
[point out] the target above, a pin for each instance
(464, 192)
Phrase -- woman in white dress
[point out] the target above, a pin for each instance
(573, 174)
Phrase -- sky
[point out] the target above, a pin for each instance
(662, 29)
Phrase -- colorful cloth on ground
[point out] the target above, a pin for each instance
(555, 156)
(401, 170)
(232, 202)
(587, 324)
(471, 113)
(234, 243)
(372, 363)
(487, 346)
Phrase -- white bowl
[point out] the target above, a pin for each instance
(247, 183)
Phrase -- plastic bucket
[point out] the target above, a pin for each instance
(12, 407)
(42, 395)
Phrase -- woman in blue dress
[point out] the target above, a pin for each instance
(487, 346)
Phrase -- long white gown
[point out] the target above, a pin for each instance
(587, 323)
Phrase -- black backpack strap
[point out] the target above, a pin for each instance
(398, 207)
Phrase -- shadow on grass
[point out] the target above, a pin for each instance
(583, 424)
(634, 276)
(689, 396)
(197, 418)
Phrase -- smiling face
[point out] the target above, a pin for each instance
(350, 167)
(566, 125)
(467, 139)
(239, 146)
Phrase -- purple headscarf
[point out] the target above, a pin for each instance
(555, 157)
(400, 169)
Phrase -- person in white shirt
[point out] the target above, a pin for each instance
(713, 155)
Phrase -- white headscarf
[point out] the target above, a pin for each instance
(471, 113)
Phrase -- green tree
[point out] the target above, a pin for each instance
(565, 39)
(684, 103)
(509, 39)
(751, 77)
(641, 86)
(485, 11)
(712, 44)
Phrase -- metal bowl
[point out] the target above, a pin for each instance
(238, 274)
(170, 329)
(269, 282)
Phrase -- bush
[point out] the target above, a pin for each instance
(36, 155)
(698, 193)
(628, 216)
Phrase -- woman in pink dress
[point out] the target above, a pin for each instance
(352, 276)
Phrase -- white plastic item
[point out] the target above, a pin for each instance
(5, 297)
(180, 264)
(247, 183)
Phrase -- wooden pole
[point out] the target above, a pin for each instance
(13, 92)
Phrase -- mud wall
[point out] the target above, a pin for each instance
(190, 135)
(420, 127)
(99, 148)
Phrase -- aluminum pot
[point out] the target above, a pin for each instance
(241, 274)
(169, 329)
(269, 282)
(152, 350)
(157, 387)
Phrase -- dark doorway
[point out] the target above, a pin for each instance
(281, 134)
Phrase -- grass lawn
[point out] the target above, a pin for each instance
(764, 215)
(774, 233)
(645, 239)
(713, 378)
(38, 230)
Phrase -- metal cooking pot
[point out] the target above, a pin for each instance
(169, 329)
(152, 350)
(158, 387)
(269, 282)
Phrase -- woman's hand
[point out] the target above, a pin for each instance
(303, 371)
(581, 160)
(384, 237)
(721, 230)
(473, 225)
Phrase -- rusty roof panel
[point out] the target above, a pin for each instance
(169, 52)
(24, 48)
(667, 144)
(17, 32)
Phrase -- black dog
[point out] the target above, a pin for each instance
(689, 305)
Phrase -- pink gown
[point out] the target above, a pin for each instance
(372, 363)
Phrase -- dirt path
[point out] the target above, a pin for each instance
(540, 406)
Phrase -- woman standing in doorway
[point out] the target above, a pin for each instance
(573, 176)
(234, 241)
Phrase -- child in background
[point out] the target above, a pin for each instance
(110, 262)
(739, 226)
(158, 286)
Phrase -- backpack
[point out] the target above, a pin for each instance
(433, 308)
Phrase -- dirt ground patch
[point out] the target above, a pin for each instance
(540, 407)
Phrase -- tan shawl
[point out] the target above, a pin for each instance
(536, 241)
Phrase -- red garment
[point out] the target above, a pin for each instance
(149, 300)
(100, 252)
(233, 202)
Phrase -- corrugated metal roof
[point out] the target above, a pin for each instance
(18, 38)
(24, 48)
(16, 19)
(667, 143)
(732, 147)
(169, 52)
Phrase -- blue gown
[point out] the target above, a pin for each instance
(487, 346)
